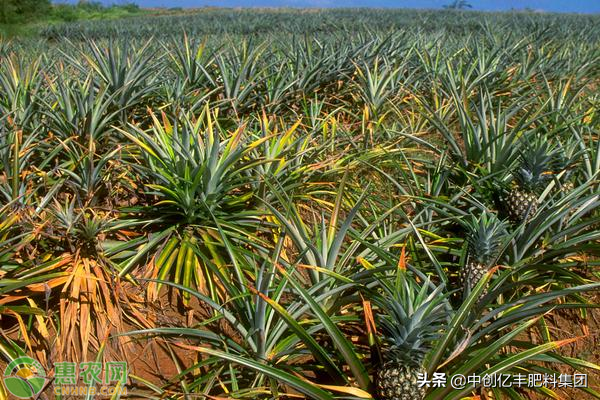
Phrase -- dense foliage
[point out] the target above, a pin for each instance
(86, 10)
(308, 202)
(13, 11)
(27, 17)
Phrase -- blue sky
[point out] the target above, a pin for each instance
(580, 6)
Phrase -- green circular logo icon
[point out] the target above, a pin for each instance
(24, 377)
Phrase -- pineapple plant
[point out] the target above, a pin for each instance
(410, 318)
(484, 240)
(568, 156)
(531, 176)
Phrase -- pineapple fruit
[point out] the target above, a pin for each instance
(521, 205)
(484, 237)
(533, 173)
(399, 381)
(409, 324)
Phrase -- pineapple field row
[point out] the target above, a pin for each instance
(280, 204)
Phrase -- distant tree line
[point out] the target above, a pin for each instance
(24, 11)
(16, 11)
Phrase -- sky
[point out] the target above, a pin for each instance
(578, 6)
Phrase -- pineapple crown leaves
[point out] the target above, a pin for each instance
(411, 317)
(537, 162)
(485, 236)
(73, 226)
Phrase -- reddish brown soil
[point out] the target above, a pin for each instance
(158, 361)
(566, 324)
